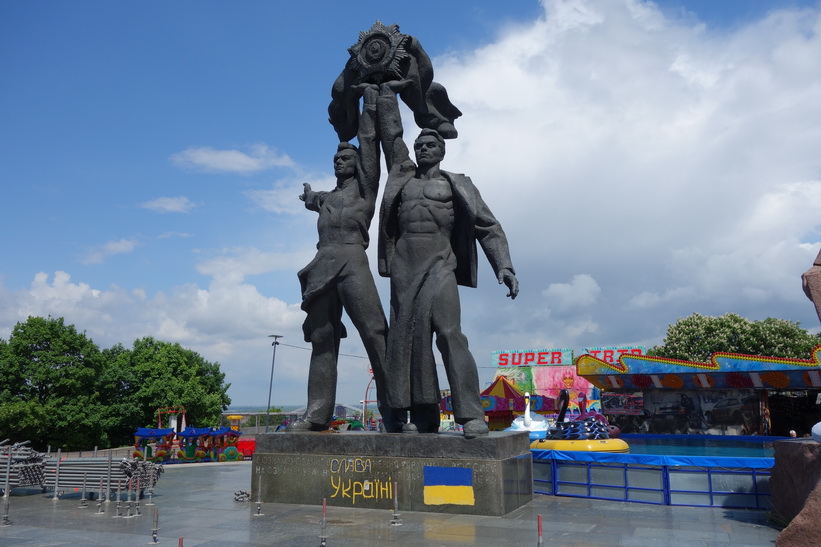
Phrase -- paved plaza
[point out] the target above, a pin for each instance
(195, 502)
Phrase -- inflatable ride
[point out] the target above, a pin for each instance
(590, 432)
(536, 425)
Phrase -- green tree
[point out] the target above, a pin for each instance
(118, 383)
(697, 337)
(155, 374)
(48, 385)
(57, 388)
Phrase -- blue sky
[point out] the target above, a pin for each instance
(647, 161)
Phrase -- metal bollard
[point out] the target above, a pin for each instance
(100, 499)
(259, 512)
(6, 521)
(395, 520)
(152, 477)
(108, 482)
(118, 504)
(57, 476)
(137, 512)
(6, 492)
(155, 530)
(128, 501)
(323, 534)
(83, 501)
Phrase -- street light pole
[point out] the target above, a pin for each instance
(275, 343)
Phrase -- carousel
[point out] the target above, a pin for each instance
(152, 445)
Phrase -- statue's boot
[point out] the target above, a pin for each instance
(475, 428)
(305, 425)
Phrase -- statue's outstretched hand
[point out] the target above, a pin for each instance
(509, 278)
(306, 191)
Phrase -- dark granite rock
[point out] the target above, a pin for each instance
(795, 486)
(376, 471)
(497, 445)
(811, 281)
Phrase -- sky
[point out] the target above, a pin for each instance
(647, 161)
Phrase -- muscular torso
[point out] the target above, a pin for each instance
(426, 207)
(344, 217)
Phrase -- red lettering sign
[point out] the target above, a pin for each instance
(532, 358)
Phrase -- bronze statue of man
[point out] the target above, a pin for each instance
(339, 276)
(429, 223)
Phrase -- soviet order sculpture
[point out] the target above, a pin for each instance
(339, 275)
(381, 54)
(429, 223)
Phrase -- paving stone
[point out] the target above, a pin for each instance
(196, 502)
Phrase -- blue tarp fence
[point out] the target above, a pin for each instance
(704, 481)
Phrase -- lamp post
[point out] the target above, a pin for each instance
(275, 343)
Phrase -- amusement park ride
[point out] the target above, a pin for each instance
(188, 444)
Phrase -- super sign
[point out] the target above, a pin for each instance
(533, 357)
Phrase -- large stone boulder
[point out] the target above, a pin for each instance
(795, 486)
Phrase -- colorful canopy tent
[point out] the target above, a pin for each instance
(501, 387)
(161, 439)
(224, 445)
(731, 394)
(724, 371)
(195, 444)
(502, 402)
(499, 401)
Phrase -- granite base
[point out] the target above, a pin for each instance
(443, 473)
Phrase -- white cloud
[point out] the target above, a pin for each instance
(258, 157)
(179, 204)
(61, 288)
(675, 297)
(283, 196)
(168, 235)
(98, 255)
(226, 321)
(674, 163)
(234, 265)
(581, 292)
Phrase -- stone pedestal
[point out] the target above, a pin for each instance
(442, 473)
(795, 491)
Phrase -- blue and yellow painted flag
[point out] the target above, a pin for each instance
(448, 485)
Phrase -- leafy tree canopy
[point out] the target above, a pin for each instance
(697, 337)
(49, 371)
(172, 376)
(57, 388)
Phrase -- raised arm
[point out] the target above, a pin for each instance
(368, 143)
(390, 124)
